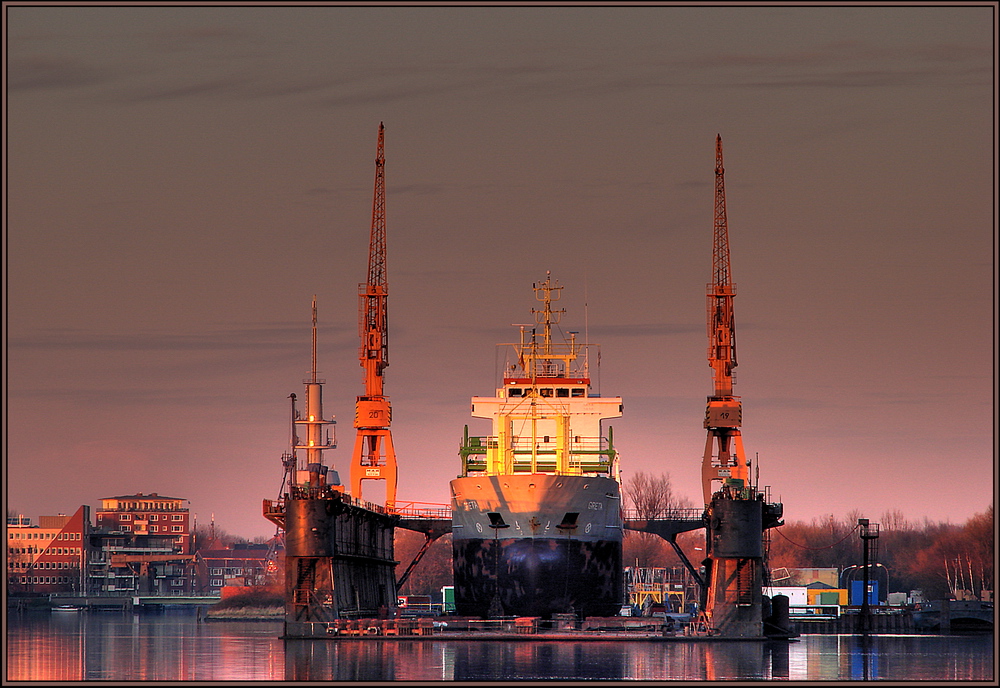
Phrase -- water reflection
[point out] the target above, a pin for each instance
(367, 660)
(48, 649)
(417, 660)
(64, 647)
(111, 646)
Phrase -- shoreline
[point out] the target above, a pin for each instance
(246, 614)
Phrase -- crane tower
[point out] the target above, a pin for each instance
(724, 460)
(736, 514)
(374, 457)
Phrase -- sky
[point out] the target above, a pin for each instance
(181, 180)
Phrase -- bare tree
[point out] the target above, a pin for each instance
(893, 520)
(652, 497)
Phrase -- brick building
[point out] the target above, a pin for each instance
(48, 557)
(240, 566)
(141, 545)
(151, 516)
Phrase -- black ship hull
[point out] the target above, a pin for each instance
(537, 577)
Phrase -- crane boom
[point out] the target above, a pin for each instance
(373, 294)
(723, 460)
(721, 324)
(374, 457)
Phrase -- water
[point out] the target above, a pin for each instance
(175, 646)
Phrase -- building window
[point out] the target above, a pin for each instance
(216, 583)
(125, 517)
(216, 572)
(154, 517)
(127, 528)
(154, 529)
(177, 517)
(177, 529)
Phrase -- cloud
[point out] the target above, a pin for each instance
(37, 73)
(276, 337)
(644, 330)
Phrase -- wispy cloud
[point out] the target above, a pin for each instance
(644, 330)
(277, 337)
(40, 72)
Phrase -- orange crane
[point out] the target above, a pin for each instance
(374, 457)
(724, 460)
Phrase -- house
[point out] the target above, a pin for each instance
(241, 565)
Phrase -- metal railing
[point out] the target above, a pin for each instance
(685, 514)
(418, 510)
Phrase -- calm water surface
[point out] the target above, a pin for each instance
(175, 646)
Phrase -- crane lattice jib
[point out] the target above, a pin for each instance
(374, 353)
(720, 253)
(721, 321)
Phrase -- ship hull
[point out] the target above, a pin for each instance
(537, 545)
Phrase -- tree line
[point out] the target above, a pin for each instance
(939, 559)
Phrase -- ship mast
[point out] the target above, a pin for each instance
(315, 442)
(374, 457)
(542, 360)
(723, 459)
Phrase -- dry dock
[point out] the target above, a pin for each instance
(514, 628)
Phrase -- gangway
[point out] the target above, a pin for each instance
(433, 520)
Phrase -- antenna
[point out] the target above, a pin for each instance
(314, 340)
(586, 325)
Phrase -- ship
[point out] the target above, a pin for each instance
(536, 511)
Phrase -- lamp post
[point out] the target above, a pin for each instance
(869, 532)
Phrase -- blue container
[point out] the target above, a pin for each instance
(855, 595)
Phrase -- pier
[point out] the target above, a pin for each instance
(129, 602)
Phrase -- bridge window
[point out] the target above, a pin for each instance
(562, 392)
(577, 392)
(515, 392)
(545, 391)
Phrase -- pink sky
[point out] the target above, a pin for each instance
(182, 180)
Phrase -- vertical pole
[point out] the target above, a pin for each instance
(864, 588)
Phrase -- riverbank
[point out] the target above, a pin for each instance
(245, 614)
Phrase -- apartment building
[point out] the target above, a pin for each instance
(141, 545)
(50, 556)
